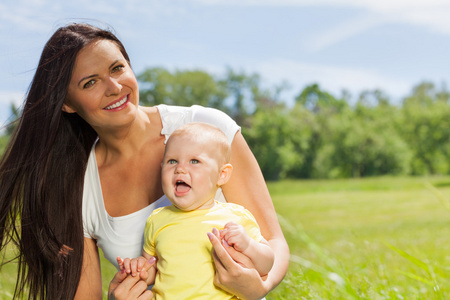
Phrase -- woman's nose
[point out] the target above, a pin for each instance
(113, 87)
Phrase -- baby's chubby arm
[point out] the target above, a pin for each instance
(134, 267)
(259, 253)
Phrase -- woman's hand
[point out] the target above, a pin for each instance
(235, 272)
(126, 287)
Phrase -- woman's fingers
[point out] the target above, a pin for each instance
(148, 264)
(216, 232)
(222, 255)
(147, 295)
(118, 286)
(118, 278)
(144, 274)
(129, 288)
(240, 258)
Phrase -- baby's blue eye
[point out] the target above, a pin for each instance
(194, 161)
(172, 161)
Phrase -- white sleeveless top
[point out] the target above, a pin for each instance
(124, 236)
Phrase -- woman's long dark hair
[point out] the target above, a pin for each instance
(42, 174)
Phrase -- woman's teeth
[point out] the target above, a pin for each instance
(117, 104)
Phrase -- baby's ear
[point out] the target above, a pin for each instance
(225, 174)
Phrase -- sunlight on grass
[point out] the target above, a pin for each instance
(375, 238)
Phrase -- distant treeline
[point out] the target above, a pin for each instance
(321, 135)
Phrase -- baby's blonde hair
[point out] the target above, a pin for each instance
(208, 133)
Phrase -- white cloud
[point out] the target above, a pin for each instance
(345, 30)
(385, 5)
(433, 14)
(430, 14)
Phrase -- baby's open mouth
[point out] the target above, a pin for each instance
(182, 187)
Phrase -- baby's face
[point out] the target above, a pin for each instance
(190, 173)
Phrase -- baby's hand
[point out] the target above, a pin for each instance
(236, 236)
(131, 266)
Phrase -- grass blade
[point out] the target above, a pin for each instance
(411, 258)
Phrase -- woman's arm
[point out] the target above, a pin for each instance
(90, 286)
(248, 188)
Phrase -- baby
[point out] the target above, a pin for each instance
(195, 165)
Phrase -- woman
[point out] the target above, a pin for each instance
(83, 168)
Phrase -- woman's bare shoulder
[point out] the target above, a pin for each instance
(151, 110)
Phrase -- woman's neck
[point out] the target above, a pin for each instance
(127, 141)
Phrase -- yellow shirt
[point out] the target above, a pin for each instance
(178, 238)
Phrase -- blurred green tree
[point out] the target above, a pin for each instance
(313, 111)
(270, 137)
(424, 124)
(184, 88)
(242, 89)
(321, 136)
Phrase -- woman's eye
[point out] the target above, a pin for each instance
(194, 161)
(118, 68)
(88, 84)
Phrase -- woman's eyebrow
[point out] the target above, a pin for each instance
(94, 75)
(87, 77)
(115, 62)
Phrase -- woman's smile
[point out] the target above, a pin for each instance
(118, 105)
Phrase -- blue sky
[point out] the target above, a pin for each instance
(340, 44)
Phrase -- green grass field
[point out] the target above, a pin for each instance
(372, 238)
(375, 238)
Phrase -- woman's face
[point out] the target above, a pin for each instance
(103, 89)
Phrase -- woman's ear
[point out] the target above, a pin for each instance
(68, 109)
(225, 174)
